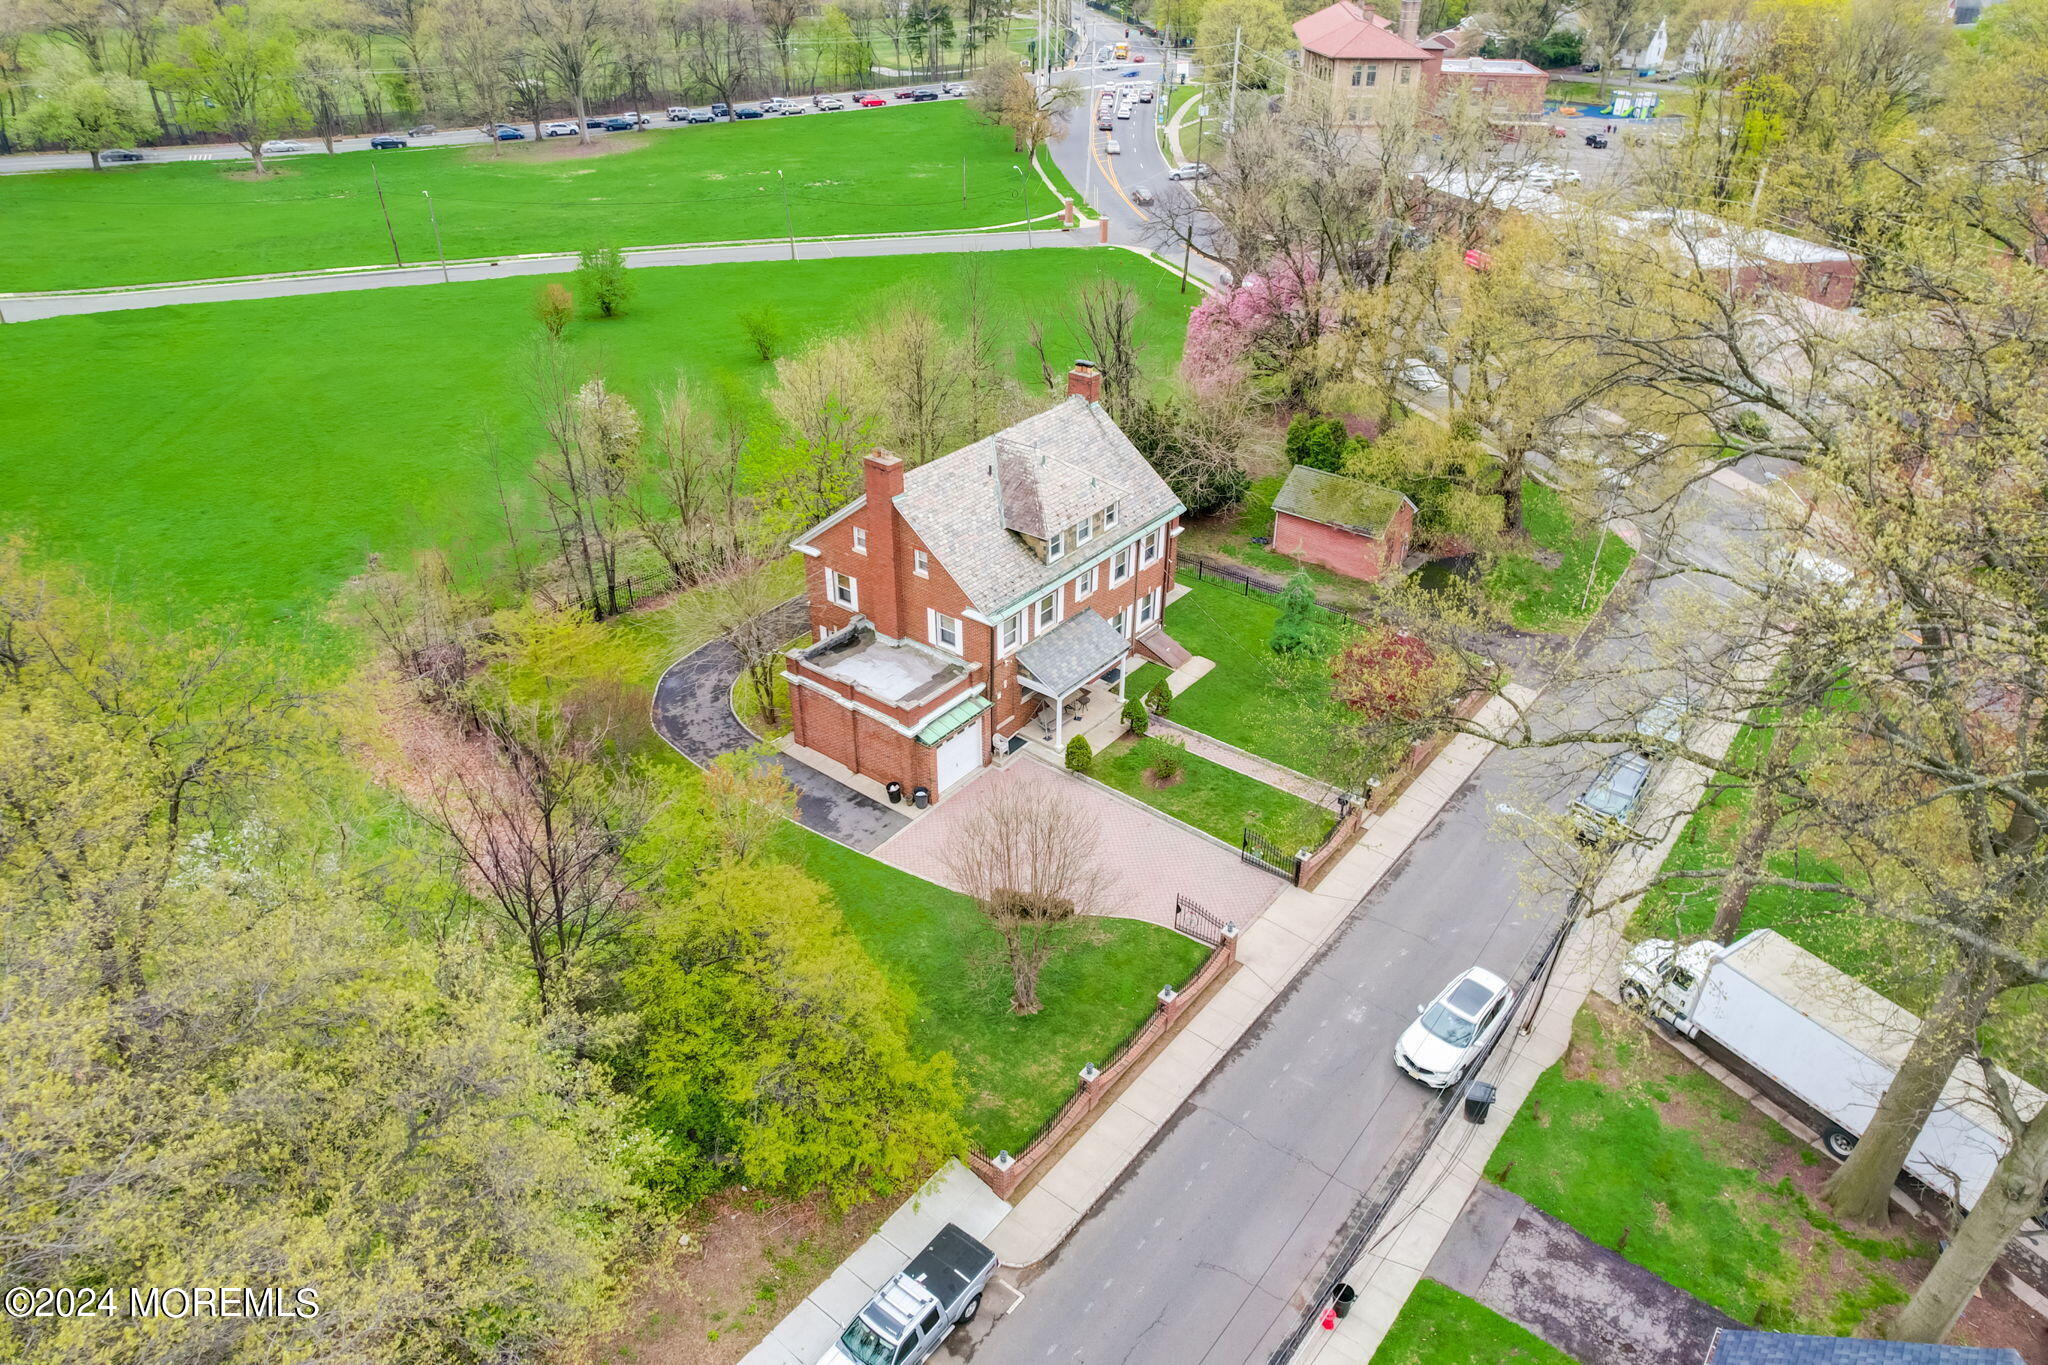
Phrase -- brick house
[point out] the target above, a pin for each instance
(1503, 85)
(1346, 525)
(1352, 57)
(983, 600)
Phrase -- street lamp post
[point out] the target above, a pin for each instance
(436, 221)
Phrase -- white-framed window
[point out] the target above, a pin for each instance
(945, 630)
(1056, 547)
(1357, 75)
(1085, 532)
(860, 540)
(920, 563)
(1148, 548)
(1109, 517)
(1011, 633)
(1087, 582)
(1120, 566)
(1148, 609)
(1048, 611)
(843, 589)
(1121, 622)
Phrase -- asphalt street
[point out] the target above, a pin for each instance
(1206, 1251)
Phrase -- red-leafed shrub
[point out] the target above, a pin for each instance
(1388, 675)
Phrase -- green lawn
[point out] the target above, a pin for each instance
(872, 170)
(931, 941)
(1638, 1150)
(1575, 92)
(247, 457)
(1213, 798)
(1248, 699)
(1440, 1326)
(1540, 598)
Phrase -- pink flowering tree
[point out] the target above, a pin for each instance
(1250, 330)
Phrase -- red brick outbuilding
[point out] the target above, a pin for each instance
(1345, 525)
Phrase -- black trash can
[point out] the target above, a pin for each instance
(895, 793)
(1343, 1299)
(1478, 1100)
(922, 797)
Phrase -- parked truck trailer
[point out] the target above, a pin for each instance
(1827, 1041)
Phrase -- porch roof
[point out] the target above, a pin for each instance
(1080, 648)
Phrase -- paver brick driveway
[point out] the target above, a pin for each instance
(1151, 858)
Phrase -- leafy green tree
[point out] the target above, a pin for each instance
(233, 74)
(1318, 442)
(774, 1053)
(1137, 717)
(1266, 37)
(602, 277)
(88, 111)
(1159, 697)
(1302, 628)
(1080, 757)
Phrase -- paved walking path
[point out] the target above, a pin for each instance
(693, 713)
(1270, 953)
(1251, 765)
(1584, 1299)
(29, 307)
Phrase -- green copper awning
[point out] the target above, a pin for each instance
(955, 717)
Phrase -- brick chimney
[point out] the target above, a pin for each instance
(1086, 380)
(880, 599)
(1411, 20)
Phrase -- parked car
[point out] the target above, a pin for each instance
(279, 146)
(831, 103)
(873, 102)
(1454, 1029)
(747, 111)
(1194, 170)
(702, 116)
(953, 88)
(1665, 721)
(422, 130)
(910, 1316)
(559, 128)
(386, 142)
(1607, 812)
(1416, 375)
(622, 123)
(905, 94)
(505, 132)
(679, 113)
(596, 125)
(120, 154)
(721, 110)
(1597, 141)
(924, 96)
(861, 96)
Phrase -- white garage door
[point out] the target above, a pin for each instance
(960, 755)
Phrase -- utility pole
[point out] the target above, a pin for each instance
(385, 208)
(788, 219)
(438, 248)
(1236, 49)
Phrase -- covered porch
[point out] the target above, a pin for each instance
(1078, 673)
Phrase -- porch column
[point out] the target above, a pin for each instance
(1123, 675)
(1059, 724)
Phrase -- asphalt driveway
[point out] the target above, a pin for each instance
(693, 712)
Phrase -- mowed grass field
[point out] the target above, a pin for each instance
(855, 172)
(247, 457)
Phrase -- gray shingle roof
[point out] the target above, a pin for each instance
(1077, 649)
(1043, 493)
(956, 502)
(1782, 1348)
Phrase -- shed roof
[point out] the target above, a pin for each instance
(1784, 1348)
(1335, 500)
(1351, 32)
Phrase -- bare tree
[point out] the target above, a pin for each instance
(687, 504)
(586, 478)
(718, 42)
(746, 611)
(828, 400)
(550, 835)
(922, 374)
(567, 38)
(1033, 862)
(1105, 315)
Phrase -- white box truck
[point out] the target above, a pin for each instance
(1825, 1040)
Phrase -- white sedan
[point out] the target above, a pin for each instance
(279, 146)
(558, 128)
(1454, 1028)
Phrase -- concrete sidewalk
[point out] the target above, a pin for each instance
(1270, 953)
(951, 1196)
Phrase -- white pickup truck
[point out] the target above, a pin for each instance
(910, 1315)
(1826, 1040)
